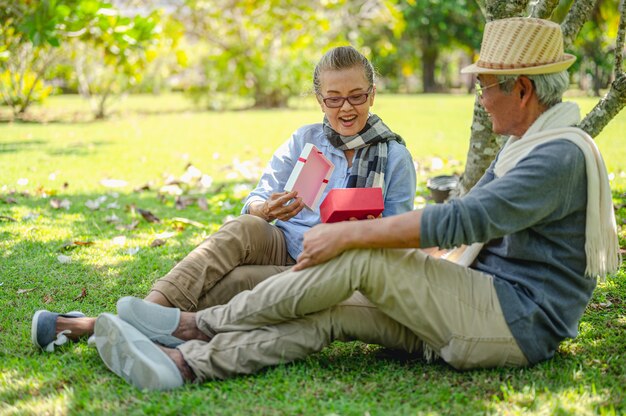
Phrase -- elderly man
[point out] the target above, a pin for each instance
(540, 224)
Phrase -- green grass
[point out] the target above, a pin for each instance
(143, 144)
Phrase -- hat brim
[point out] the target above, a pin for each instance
(551, 68)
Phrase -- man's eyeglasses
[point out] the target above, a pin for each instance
(479, 88)
(355, 99)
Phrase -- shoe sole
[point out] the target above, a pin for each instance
(137, 360)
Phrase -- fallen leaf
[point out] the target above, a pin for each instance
(145, 187)
(30, 216)
(21, 291)
(132, 251)
(165, 235)
(113, 183)
(148, 216)
(130, 226)
(188, 221)
(58, 204)
(203, 204)
(112, 219)
(70, 245)
(171, 189)
(92, 204)
(158, 242)
(48, 299)
(83, 294)
(120, 240)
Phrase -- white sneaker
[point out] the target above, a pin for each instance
(154, 321)
(133, 356)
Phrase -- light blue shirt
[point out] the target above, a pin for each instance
(398, 192)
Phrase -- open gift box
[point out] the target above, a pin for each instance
(341, 204)
(310, 176)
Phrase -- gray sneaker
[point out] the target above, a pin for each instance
(44, 327)
(133, 356)
(154, 321)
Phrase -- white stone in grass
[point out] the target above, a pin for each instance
(22, 181)
(132, 251)
(64, 259)
(120, 240)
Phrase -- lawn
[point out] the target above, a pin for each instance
(72, 237)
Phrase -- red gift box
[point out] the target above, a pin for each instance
(344, 203)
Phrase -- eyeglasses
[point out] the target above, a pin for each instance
(355, 99)
(480, 89)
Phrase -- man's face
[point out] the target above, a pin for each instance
(503, 107)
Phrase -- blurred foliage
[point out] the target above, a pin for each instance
(260, 53)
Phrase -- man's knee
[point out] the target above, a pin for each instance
(246, 221)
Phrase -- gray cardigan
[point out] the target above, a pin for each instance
(533, 219)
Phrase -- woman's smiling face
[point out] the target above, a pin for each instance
(348, 119)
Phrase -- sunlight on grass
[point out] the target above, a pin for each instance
(148, 147)
(584, 400)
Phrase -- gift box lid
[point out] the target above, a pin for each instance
(310, 175)
(342, 204)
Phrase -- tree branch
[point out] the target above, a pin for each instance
(619, 42)
(502, 9)
(575, 19)
(611, 104)
(542, 9)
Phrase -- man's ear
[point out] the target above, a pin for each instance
(526, 88)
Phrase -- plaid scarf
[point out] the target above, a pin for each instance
(368, 168)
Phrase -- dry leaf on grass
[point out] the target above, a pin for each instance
(58, 203)
(157, 243)
(70, 245)
(83, 294)
(147, 215)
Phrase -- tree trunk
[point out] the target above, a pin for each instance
(484, 145)
(429, 59)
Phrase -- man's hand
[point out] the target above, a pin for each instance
(321, 243)
(278, 206)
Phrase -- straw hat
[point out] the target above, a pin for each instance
(521, 45)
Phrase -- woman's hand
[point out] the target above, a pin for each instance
(278, 206)
(321, 243)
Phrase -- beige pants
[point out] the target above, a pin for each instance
(242, 253)
(401, 299)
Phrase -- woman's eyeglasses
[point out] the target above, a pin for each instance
(355, 99)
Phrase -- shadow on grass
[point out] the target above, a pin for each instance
(20, 145)
(346, 378)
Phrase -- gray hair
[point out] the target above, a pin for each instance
(342, 57)
(549, 87)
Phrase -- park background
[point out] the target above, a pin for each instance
(129, 133)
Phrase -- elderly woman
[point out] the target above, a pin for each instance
(252, 247)
(537, 259)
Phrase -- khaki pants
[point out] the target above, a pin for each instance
(402, 299)
(242, 253)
